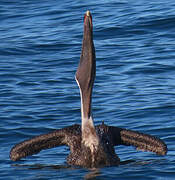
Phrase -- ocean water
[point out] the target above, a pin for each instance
(40, 46)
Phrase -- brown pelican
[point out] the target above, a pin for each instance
(90, 146)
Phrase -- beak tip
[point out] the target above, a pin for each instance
(88, 13)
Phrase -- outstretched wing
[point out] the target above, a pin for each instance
(35, 145)
(141, 141)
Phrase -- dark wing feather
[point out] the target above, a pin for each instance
(141, 141)
(45, 141)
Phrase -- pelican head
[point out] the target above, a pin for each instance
(85, 76)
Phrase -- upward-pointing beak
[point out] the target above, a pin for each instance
(85, 74)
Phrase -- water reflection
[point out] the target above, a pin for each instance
(90, 173)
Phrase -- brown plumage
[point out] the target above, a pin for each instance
(90, 146)
(80, 155)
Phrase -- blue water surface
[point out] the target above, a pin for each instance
(40, 46)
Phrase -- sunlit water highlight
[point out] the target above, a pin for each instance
(40, 46)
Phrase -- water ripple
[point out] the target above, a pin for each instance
(134, 88)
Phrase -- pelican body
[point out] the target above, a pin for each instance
(90, 146)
